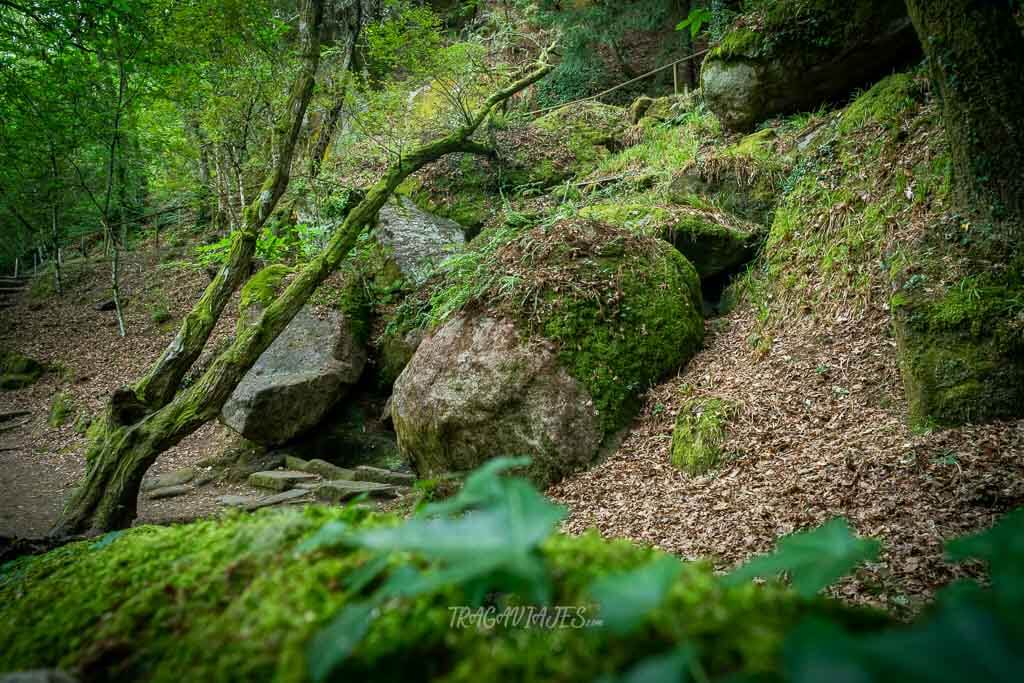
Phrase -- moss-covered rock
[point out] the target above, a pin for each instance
(962, 353)
(744, 178)
(240, 600)
(18, 371)
(712, 240)
(699, 434)
(593, 313)
(792, 55)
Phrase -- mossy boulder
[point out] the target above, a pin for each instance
(699, 434)
(557, 333)
(242, 599)
(18, 371)
(793, 55)
(415, 239)
(962, 353)
(712, 240)
(302, 374)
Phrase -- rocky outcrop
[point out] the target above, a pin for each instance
(476, 390)
(594, 315)
(414, 238)
(298, 379)
(793, 56)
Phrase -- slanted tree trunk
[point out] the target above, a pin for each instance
(162, 380)
(130, 438)
(975, 52)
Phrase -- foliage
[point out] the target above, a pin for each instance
(695, 21)
(326, 592)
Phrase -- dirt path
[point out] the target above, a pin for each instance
(39, 462)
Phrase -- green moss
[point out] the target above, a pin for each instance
(617, 351)
(234, 600)
(961, 352)
(263, 287)
(61, 409)
(699, 433)
(17, 370)
(711, 240)
(774, 26)
(887, 104)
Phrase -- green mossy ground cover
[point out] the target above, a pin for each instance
(240, 600)
(18, 371)
(699, 433)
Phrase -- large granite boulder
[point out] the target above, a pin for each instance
(298, 379)
(570, 324)
(414, 238)
(791, 55)
(476, 389)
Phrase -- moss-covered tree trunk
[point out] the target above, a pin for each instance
(162, 380)
(128, 439)
(975, 52)
(961, 345)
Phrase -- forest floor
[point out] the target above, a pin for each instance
(821, 432)
(39, 462)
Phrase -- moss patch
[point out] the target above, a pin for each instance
(62, 408)
(17, 370)
(263, 287)
(710, 239)
(699, 434)
(235, 600)
(961, 352)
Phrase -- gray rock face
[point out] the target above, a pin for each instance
(476, 389)
(761, 78)
(415, 238)
(297, 380)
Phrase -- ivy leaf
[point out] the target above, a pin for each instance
(695, 21)
(813, 559)
(335, 642)
(672, 666)
(484, 485)
(1002, 547)
(625, 599)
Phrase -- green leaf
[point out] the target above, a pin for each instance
(335, 642)
(484, 485)
(627, 598)
(671, 667)
(1002, 547)
(331, 534)
(695, 21)
(813, 559)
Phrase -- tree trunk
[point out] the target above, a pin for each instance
(969, 366)
(164, 377)
(975, 52)
(129, 439)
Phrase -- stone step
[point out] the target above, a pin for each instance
(290, 497)
(343, 489)
(168, 491)
(174, 478)
(383, 476)
(278, 480)
(327, 470)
